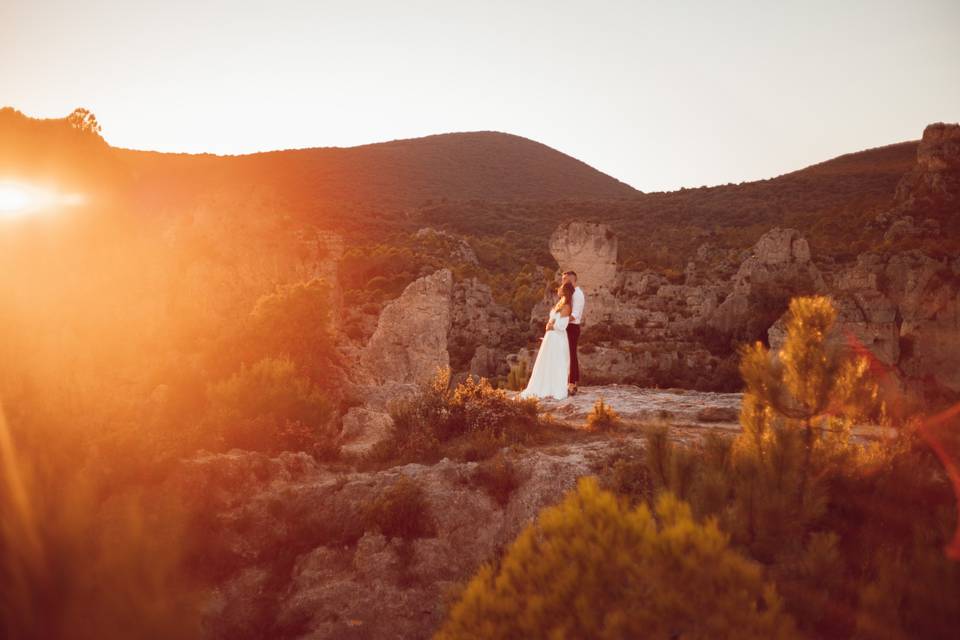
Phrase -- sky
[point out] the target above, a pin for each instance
(661, 95)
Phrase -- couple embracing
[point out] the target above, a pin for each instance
(556, 372)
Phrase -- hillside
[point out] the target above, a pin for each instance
(831, 202)
(483, 184)
(456, 166)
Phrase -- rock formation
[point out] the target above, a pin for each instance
(778, 268)
(407, 347)
(480, 329)
(590, 250)
(934, 181)
(435, 323)
(300, 561)
(410, 341)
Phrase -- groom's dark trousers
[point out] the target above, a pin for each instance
(573, 337)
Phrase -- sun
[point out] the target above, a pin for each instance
(14, 199)
(19, 200)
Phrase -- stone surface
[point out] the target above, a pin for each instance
(363, 429)
(779, 267)
(480, 328)
(589, 249)
(638, 404)
(300, 559)
(934, 181)
(290, 574)
(410, 341)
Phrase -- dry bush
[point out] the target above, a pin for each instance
(471, 422)
(402, 511)
(603, 418)
(499, 478)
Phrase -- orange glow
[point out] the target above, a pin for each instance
(18, 200)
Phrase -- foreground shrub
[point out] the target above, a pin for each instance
(402, 512)
(853, 534)
(476, 406)
(593, 568)
(76, 565)
(602, 417)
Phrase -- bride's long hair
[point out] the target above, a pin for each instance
(566, 296)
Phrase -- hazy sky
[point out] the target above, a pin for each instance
(658, 94)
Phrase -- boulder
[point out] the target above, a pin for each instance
(410, 341)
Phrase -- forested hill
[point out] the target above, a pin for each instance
(456, 166)
(479, 184)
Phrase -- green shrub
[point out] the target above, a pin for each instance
(270, 407)
(294, 322)
(402, 512)
(603, 417)
(593, 568)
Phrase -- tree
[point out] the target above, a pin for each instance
(295, 322)
(83, 120)
(591, 567)
(811, 383)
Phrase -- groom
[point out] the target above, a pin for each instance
(573, 330)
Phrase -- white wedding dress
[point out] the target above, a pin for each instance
(552, 367)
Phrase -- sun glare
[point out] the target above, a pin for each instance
(18, 200)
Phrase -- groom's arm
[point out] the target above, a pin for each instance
(578, 302)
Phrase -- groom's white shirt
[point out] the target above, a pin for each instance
(579, 300)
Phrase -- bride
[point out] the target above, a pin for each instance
(552, 367)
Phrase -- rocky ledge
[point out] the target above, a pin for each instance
(637, 405)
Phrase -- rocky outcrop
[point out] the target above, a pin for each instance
(904, 308)
(934, 181)
(926, 203)
(408, 345)
(300, 560)
(778, 268)
(362, 429)
(926, 293)
(297, 556)
(589, 249)
(410, 341)
(480, 330)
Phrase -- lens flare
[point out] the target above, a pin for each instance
(13, 198)
(19, 200)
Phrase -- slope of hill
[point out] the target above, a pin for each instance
(830, 202)
(456, 166)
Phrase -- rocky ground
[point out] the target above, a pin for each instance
(636, 405)
(299, 563)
